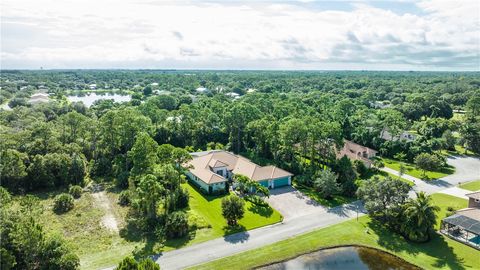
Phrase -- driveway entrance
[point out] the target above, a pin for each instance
(292, 203)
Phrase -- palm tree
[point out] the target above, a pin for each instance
(420, 217)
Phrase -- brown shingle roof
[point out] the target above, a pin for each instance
(202, 163)
(351, 150)
(215, 163)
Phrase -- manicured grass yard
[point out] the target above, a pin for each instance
(473, 185)
(382, 175)
(443, 201)
(312, 194)
(413, 171)
(207, 210)
(439, 253)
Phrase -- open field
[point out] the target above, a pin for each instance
(99, 246)
(473, 185)
(82, 228)
(413, 171)
(439, 253)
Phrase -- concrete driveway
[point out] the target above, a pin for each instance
(466, 169)
(291, 203)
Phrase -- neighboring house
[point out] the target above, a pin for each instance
(202, 90)
(92, 86)
(39, 98)
(213, 170)
(404, 136)
(357, 152)
(380, 104)
(232, 95)
(464, 225)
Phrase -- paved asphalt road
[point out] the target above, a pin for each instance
(457, 192)
(467, 168)
(235, 243)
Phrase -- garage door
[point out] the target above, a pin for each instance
(264, 183)
(280, 182)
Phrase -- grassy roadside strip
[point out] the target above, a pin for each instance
(472, 185)
(439, 253)
(413, 171)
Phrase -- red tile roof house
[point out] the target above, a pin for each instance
(357, 152)
(212, 170)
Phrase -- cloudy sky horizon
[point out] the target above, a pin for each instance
(286, 35)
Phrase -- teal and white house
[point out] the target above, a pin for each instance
(212, 170)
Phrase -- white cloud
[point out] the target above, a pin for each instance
(159, 34)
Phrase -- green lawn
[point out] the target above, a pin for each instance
(473, 185)
(312, 194)
(459, 151)
(382, 175)
(439, 253)
(413, 171)
(208, 210)
(443, 201)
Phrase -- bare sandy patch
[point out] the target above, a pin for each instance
(109, 220)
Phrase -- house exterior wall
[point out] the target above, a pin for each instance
(218, 186)
(473, 204)
(197, 182)
(264, 183)
(204, 186)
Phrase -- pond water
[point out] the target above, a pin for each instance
(344, 258)
(90, 98)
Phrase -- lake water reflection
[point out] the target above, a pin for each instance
(90, 98)
(344, 258)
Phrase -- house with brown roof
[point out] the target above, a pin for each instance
(213, 170)
(357, 152)
(464, 225)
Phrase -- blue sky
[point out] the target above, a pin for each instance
(346, 35)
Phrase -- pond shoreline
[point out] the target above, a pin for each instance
(324, 248)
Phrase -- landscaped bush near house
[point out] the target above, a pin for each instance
(182, 197)
(450, 211)
(360, 167)
(63, 203)
(129, 263)
(305, 180)
(176, 225)
(255, 199)
(233, 209)
(124, 198)
(75, 191)
(378, 164)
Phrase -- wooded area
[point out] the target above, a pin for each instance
(294, 120)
